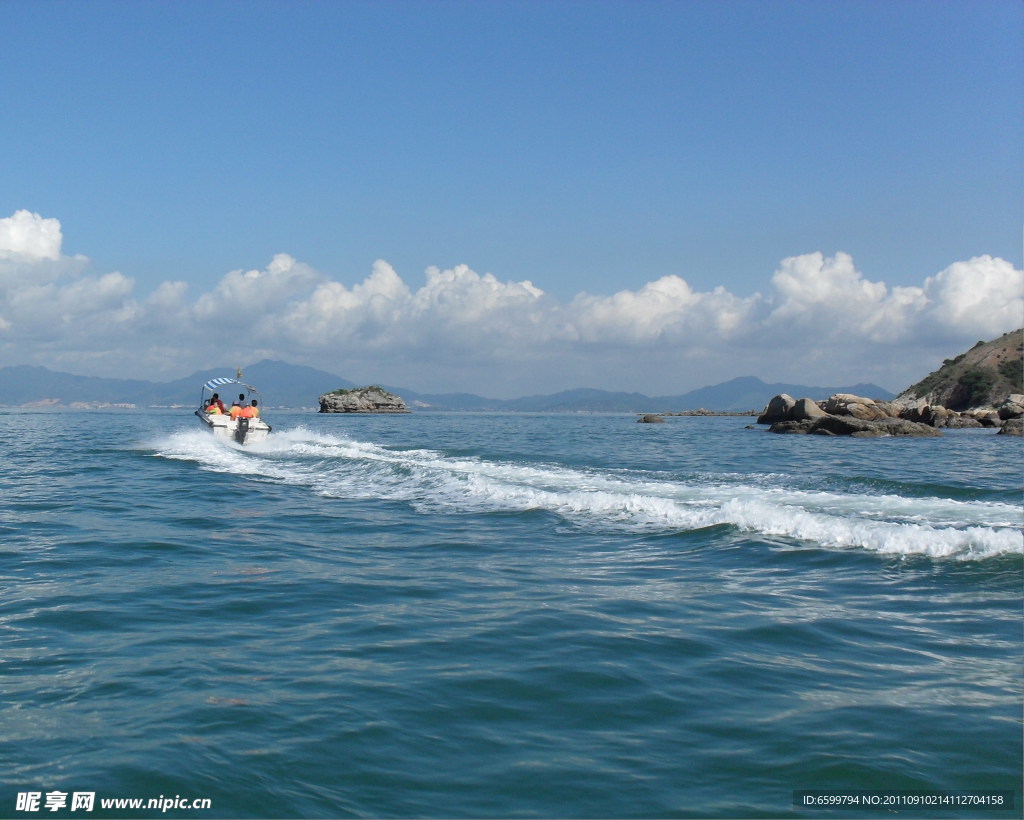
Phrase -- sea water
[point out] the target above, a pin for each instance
(505, 615)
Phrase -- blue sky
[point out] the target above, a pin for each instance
(587, 148)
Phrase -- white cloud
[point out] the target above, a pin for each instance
(241, 295)
(28, 234)
(976, 296)
(819, 320)
(831, 298)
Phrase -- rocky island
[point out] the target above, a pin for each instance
(370, 399)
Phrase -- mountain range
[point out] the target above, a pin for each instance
(297, 386)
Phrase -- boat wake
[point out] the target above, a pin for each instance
(431, 481)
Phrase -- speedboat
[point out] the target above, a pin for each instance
(241, 429)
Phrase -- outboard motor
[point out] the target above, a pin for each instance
(241, 430)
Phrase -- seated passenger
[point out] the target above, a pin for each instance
(215, 399)
(252, 411)
(214, 409)
(236, 410)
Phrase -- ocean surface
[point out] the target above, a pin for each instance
(504, 615)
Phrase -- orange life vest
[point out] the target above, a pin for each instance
(247, 413)
(213, 409)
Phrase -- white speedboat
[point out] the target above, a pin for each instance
(219, 419)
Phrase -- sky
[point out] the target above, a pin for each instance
(511, 198)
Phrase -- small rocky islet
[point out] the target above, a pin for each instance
(372, 399)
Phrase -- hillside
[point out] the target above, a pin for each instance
(980, 377)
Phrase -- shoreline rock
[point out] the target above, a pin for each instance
(371, 399)
(829, 425)
(847, 415)
(1012, 427)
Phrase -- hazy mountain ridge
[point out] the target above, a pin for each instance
(287, 385)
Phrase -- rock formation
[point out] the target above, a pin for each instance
(651, 418)
(983, 387)
(1012, 408)
(1012, 427)
(980, 377)
(779, 408)
(362, 400)
(845, 414)
(827, 425)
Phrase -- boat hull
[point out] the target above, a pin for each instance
(241, 431)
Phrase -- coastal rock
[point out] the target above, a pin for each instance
(777, 409)
(1012, 427)
(371, 399)
(987, 418)
(847, 404)
(806, 409)
(960, 421)
(1012, 407)
(650, 418)
(858, 428)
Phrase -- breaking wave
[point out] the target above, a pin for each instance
(431, 481)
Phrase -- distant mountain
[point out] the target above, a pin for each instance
(288, 385)
(23, 384)
(281, 384)
(580, 399)
(750, 393)
(980, 377)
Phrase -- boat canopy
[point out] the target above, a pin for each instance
(212, 383)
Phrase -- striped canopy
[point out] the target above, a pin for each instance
(212, 383)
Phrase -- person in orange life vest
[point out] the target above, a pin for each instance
(236, 410)
(213, 409)
(250, 412)
(215, 405)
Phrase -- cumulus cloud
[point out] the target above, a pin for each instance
(28, 234)
(830, 297)
(976, 296)
(819, 319)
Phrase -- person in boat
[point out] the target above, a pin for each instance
(215, 402)
(236, 410)
(214, 409)
(251, 412)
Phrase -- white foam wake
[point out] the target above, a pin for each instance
(340, 467)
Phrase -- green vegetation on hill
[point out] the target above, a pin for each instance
(980, 377)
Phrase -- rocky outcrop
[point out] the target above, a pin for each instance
(846, 404)
(1012, 427)
(806, 410)
(651, 418)
(779, 408)
(980, 377)
(786, 415)
(842, 414)
(983, 387)
(362, 400)
(829, 425)
(1012, 408)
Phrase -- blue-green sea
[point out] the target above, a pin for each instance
(504, 616)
